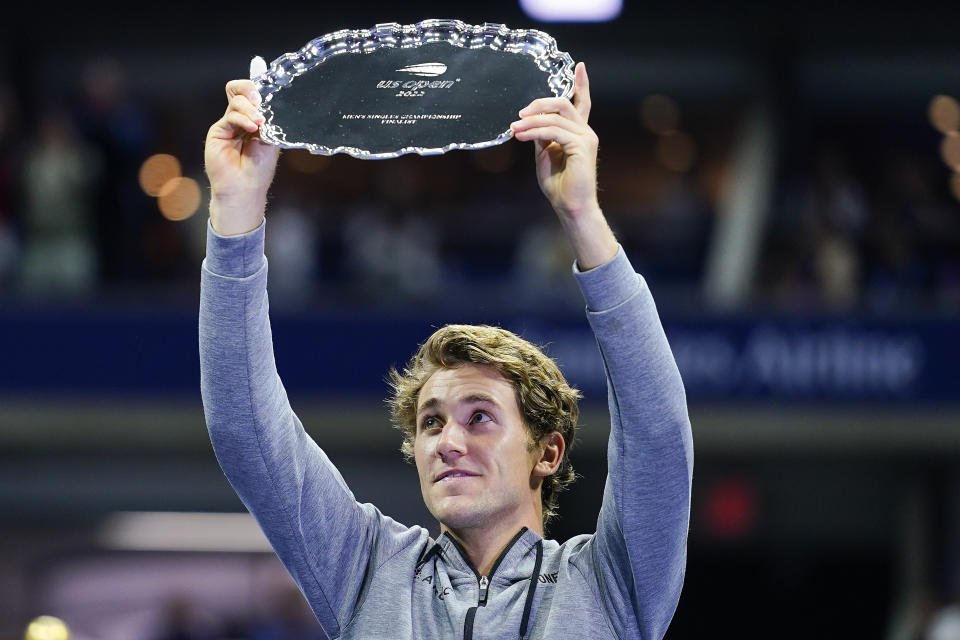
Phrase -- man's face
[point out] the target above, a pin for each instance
(471, 450)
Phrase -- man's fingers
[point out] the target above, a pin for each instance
(243, 88)
(548, 134)
(560, 106)
(553, 127)
(242, 121)
(242, 104)
(232, 125)
(581, 90)
(548, 119)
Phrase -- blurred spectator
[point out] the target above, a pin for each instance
(289, 619)
(837, 272)
(836, 208)
(293, 246)
(391, 257)
(542, 265)
(180, 622)
(60, 176)
(915, 241)
(120, 128)
(814, 255)
(677, 231)
(9, 160)
(837, 201)
(889, 242)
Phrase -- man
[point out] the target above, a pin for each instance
(487, 418)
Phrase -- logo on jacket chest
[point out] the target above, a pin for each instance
(439, 591)
(442, 592)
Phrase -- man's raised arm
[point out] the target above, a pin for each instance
(322, 535)
(638, 554)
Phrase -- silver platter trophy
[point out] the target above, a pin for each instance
(422, 88)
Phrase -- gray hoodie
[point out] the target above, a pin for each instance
(369, 577)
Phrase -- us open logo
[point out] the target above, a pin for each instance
(416, 88)
(426, 70)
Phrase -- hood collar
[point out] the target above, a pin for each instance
(514, 563)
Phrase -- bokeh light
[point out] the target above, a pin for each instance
(677, 151)
(47, 628)
(944, 113)
(660, 114)
(731, 509)
(179, 199)
(950, 150)
(157, 171)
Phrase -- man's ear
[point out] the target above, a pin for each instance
(551, 449)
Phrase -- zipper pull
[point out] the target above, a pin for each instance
(484, 583)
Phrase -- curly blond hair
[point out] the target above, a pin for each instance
(547, 403)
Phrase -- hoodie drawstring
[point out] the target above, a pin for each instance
(532, 589)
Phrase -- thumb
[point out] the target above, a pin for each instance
(581, 90)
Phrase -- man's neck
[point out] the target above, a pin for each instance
(484, 546)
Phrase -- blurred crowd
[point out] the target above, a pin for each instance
(285, 616)
(882, 235)
(873, 231)
(73, 219)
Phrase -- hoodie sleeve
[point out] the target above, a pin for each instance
(638, 553)
(323, 536)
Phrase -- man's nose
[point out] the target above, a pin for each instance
(452, 441)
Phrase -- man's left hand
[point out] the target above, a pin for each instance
(566, 157)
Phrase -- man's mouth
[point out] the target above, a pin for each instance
(453, 474)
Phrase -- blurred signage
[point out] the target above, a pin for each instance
(764, 359)
(737, 359)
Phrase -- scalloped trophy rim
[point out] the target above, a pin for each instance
(287, 67)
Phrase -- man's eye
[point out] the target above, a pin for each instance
(428, 423)
(481, 416)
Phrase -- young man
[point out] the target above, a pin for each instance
(488, 419)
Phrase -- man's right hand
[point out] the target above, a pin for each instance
(240, 167)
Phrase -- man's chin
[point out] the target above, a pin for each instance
(457, 513)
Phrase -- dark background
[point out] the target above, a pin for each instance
(798, 155)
